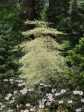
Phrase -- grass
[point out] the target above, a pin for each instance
(42, 59)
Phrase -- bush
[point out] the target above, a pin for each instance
(10, 36)
(52, 97)
(41, 60)
(43, 13)
(75, 59)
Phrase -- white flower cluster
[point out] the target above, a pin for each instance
(2, 106)
(24, 110)
(51, 95)
(69, 102)
(19, 81)
(53, 90)
(76, 92)
(24, 91)
(29, 108)
(61, 92)
(43, 103)
(61, 102)
(8, 96)
(21, 84)
(79, 109)
(9, 80)
(82, 100)
(44, 85)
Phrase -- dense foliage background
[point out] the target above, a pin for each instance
(41, 55)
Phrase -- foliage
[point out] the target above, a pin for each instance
(10, 36)
(44, 12)
(55, 86)
(66, 46)
(40, 31)
(58, 10)
(6, 45)
(76, 58)
(37, 23)
(42, 97)
(41, 60)
(40, 6)
(76, 18)
(68, 17)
